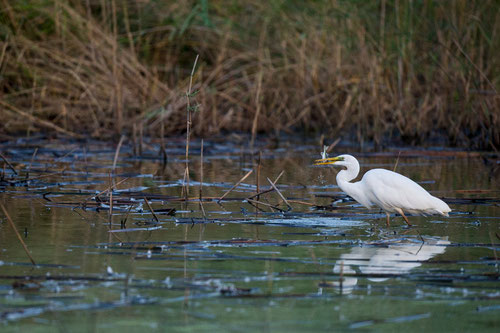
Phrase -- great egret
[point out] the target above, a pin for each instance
(392, 192)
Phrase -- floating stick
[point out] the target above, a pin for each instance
(269, 190)
(281, 195)
(17, 234)
(235, 185)
(151, 209)
(264, 203)
(82, 203)
(8, 163)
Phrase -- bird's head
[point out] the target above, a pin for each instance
(341, 160)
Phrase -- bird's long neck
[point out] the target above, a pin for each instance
(348, 174)
(352, 189)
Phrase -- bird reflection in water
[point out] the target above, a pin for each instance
(375, 262)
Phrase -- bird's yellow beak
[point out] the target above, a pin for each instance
(328, 161)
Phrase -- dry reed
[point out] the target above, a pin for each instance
(11, 223)
(376, 70)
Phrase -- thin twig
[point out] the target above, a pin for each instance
(82, 203)
(42, 176)
(334, 143)
(474, 65)
(60, 158)
(17, 234)
(111, 201)
(124, 221)
(268, 190)
(99, 217)
(40, 122)
(264, 203)
(163, 149)
(251, 202)
(151, 209)
(8, 163)
(279, 193)
(302, 203)
(397, 161)
(257, 112)
(201, 170)
(235, 185)
(201, 181)
(31, 162)
(117, 152)
(188, 129)
(257, 178)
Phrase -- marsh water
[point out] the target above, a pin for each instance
(323, 264)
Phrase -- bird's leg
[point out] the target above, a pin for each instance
(400, 211)
(388, 219)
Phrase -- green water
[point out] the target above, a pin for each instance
(237, 268)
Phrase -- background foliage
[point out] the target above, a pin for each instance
(414, 71)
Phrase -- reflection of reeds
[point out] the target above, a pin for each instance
(408, 70)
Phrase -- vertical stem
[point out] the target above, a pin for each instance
(201, 170)
(110, 202)
(162, 142)
(134, 139)
(257, 179)
(188, 130)
(201, 182)
(258, 107)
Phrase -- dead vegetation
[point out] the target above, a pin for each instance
(378, 70)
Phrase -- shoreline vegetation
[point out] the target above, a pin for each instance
(411, 71)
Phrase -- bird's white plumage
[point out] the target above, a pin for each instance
(386, 189)
(389, 190)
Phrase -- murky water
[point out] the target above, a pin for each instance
(233, 266)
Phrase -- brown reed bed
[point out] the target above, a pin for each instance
(376, 70)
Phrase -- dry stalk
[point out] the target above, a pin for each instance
(31, 162)
(82, 203)
(151, 209)
(201, 181)
(235, 185)
(397, 161)
(8, 163)
(11, 223)
(269, 190)
(117, 152)
(271, 83)
(279, 193)
(258, 106)
(111, 201)
(264, 203)
(188, 129)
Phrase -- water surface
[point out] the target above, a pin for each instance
(325, 264)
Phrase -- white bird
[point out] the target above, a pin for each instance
(392, 192)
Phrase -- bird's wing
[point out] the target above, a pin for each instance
(390, 190)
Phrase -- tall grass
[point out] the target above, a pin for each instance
(414, 71)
